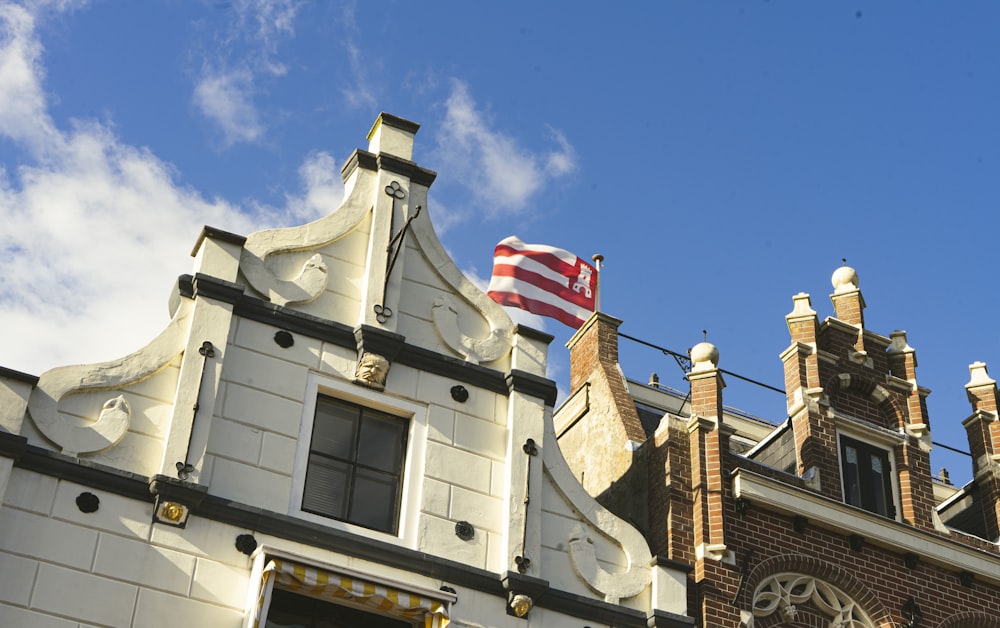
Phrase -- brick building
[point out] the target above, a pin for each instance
(830, 517)
(336, 425)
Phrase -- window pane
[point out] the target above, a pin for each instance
(375, 498)
(852, 487)
(326, 487)
(381, 442)
(334, 428)
(879, 497)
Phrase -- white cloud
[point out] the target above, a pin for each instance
(502, 176)
(562, 161)
(267, 21)
(227, 100)
(323, 188)
(95, 232)
(224, 89)
(22, 103)
(359, 95)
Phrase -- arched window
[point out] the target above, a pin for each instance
(784, 593)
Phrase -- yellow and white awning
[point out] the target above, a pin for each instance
(339, 587)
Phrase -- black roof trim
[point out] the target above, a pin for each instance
(452, 367)
(395, 121)
(217, 234)
(358, 159)
(530, 384)
(407, 168)
(344, 336)
(12, 445)
(86, 472)
(19, 376)
(534, 334)
(215, 288)
(670, 563)
(390, 163)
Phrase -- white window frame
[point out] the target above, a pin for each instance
(877, 437)
(413, 458)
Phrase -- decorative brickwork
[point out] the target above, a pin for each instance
(844, 384)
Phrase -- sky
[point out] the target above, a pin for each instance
(722, 156)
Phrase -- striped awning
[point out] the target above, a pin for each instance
(336, 587)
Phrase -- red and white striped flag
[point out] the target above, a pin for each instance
(543, 280)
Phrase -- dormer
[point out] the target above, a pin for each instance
(857, 413)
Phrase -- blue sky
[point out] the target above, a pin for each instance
(722, 156)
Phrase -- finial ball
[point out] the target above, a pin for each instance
(705, 352)
(844, 279)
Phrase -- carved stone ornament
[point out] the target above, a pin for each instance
(262, 258)
(788, 592)
(71, 435)
(495, 345)
(372, 371)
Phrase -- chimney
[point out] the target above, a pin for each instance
(602, 441)
(983, 430)
(594, 344)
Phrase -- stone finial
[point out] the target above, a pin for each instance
(898, 343)
(393, 136)
(845, 279)
(978, 376)
(847, 300)
(704, 357)
(801, 307)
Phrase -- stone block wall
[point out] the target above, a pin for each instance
(111, 567)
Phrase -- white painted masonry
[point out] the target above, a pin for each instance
(214, 419)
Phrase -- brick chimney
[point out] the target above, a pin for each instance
(983, 430)
(709, 442)
(599, 430)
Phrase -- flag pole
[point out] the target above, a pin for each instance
(598, 258)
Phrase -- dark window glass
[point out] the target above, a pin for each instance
(290, 610)
(355, 470)
(867, 477)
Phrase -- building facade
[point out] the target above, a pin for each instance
(335, 428)
(829, 517)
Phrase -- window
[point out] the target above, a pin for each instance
(290, 610)
(289, 591)
(355, 465)
(867, 474)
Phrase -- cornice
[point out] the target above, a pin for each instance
(844, 519)
(341, 335)
(390, 163)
